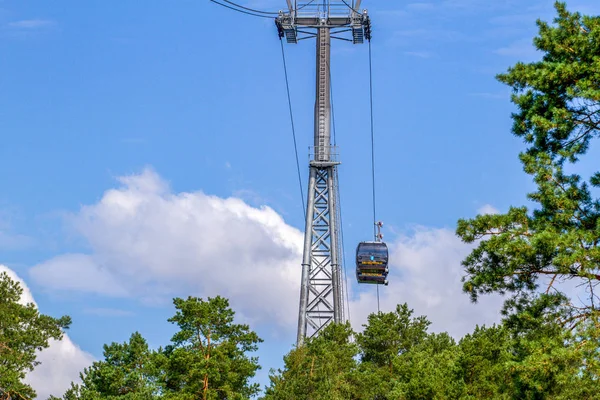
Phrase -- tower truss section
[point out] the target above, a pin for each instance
(322, 286)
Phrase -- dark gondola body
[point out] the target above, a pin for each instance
(372, 263)
(372, 279)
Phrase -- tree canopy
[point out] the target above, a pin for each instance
(503, 361)
(128, 371)
(558, 115)
(206, 359)
(23, 332)
(208, 356)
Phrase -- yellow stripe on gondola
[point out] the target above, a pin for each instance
(372, 262)
(370, 274)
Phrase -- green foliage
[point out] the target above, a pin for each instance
(548, 344)
(23, 331)
(428, 370)
(394, 358)
(388, 335)
(558, 101)
(558, 97)
(528, 356)
(128, 371)
(482, 359)
(208, 356)
(320, 369)
(207, 359)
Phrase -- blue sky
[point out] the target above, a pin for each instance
(137, 139)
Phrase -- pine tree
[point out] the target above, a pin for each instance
(23, 332)
(558, 101)
(208, 357)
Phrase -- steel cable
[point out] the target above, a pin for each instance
(287, 85)
(373, 154)
(242, 11)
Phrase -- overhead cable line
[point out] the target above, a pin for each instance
(307, 4)
(350, 7)
(373, 154)
(250, 9)
(241, 11)
(372, 141)
(287, 85)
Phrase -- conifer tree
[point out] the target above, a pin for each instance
(558, 117)
(23, 332)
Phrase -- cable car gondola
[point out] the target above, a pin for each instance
(372, 263)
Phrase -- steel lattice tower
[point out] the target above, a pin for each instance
(322, 287)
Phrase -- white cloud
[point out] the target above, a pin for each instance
(487, 209)
(426, 272)
(516, 20)
(152, 244)
(78, 272)
(61, 362)
(108, 312)
(31, 24)
(491, 96)
(431, 35)
(522, 49)
(9, 241)
(585, 7)
(60, 365)
(420, 6)
(419, 54)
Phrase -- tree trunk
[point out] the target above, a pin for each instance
(206, 357)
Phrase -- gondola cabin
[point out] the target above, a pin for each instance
(372, 263)
(372, 255)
